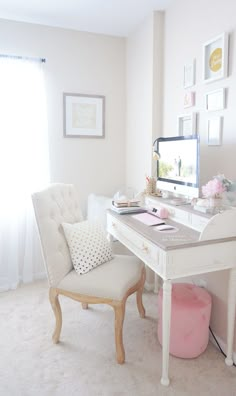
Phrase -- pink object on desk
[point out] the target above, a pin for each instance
(162, 213)
(148, 219)
(190, 317)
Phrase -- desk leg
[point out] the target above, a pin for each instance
(166, 315)
(231, 316)
(157, 285)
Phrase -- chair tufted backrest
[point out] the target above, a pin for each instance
(54, 205)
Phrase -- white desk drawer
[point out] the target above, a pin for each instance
(178, 215)
(144, 249)
(199, 222)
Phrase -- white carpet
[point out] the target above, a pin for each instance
(83, 364)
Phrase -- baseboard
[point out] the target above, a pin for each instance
(6, 287)
(222, 345)
(40, 275)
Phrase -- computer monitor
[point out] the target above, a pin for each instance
(178, 165)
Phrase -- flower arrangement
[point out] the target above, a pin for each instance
(217, 186)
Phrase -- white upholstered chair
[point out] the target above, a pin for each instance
(110, 283)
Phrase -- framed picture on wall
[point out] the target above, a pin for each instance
(189, 74)
(215, 58)
(187, 124)
(189, 99)
(84, 115)
(214, 130)
(215, 100)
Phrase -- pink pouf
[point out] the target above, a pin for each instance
(190, 317)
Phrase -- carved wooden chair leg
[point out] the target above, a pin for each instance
(53, 296)
(139, 294)
(84, 305)
(119, 319)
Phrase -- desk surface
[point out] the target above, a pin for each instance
(184, 237)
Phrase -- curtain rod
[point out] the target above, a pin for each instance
(43, 60)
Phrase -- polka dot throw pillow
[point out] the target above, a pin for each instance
(87, 244)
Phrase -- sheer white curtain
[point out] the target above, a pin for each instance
(23, 167)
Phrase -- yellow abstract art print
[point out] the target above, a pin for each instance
(215, 58)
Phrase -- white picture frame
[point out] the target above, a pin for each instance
(189, 74)
(84, 115)
(215, 58)
(215, 100)
(187, 124)
(214, 131)
(189, 99)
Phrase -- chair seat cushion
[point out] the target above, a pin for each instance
(87, 244)
(110, 280)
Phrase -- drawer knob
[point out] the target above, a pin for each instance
(113, 224)
(145, 248)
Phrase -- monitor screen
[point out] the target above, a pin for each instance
(178, 166)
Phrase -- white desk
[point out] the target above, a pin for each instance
(183, 253)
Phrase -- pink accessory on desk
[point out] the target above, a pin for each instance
(162, 213)
(148, 219)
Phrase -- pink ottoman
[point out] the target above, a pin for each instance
(190, 317)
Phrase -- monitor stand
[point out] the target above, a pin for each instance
(176, 201)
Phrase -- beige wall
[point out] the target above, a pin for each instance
(188, 25)
(139, 58)
(143, 84)
(80, 63)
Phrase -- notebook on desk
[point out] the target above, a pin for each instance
(128, 210)
(148, 219)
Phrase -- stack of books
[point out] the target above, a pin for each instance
(127, 206)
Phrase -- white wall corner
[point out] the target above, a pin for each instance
(222, 345)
